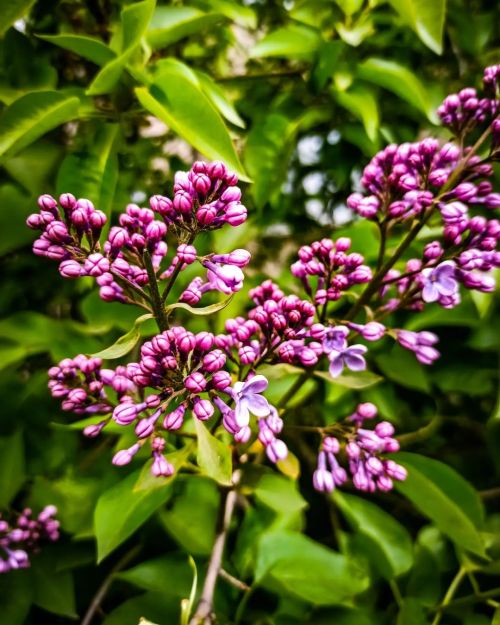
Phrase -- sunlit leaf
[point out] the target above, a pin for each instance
(126, 342)
(359, 379)
(213, 456)
(171, 23)
(11, 11)
(426, 17)
(219, 99)
(32, 115)
(203, 310)
(361, 102)
(87, 47)
(293, 41)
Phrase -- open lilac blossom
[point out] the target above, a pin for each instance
(335, 339)
(248, 399)
(439, 281)
(350, 357)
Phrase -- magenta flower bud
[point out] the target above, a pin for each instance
(353, 451)
(206, 215)
(125, 413)
(202, 183)
(236, 214)
(57, 232)
(67, 201)
(124, 456)
(239, 258)
(56, 252)
(35, 221)
(186, 253)
(276, 450)
(216, 169)
(174, 420)
(395, 470)
(374, 465)
(47, 202)
(195, 382)
(92, 431)
(433, 251)
(214, 360)
(158, 444)
(202, 409)
(183, 202)
(232, 194)
(162, 205)
(96, 264)
(330, 445)
(243, 435)
(391, 445)
(247, 355)
(97, 220)
(384, 429)
(221, 380)
(199, 167)
(465, 191)
(79, 218)
(186, 342)
(367, 410)
(161, 467)
(204, 340)
(155, 230)
(361, 274)
(308, 357)
(71, 269)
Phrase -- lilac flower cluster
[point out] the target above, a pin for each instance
(365, 452)
(205, 198)
(25, 535)
(327, 271)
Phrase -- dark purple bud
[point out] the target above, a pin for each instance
(195, 382)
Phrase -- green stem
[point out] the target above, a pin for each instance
(455, 583)
(158, 309)
(422, 433)
(175, 273)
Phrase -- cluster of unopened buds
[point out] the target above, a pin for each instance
(216, 376)
(364, 452)
(23, 535)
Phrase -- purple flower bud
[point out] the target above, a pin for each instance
(384, 429)
(183, 202)
(92, 431)
(239, 258)
(236, 214)
(276, 450)
(125, 413)
(195, 382)
(214, 360)
(47, 202)
(71, 269)
(221, 380)
(96, 265)
(161, 467)
(202, 409)
(175, 419)
(124, 456)
(186, 253)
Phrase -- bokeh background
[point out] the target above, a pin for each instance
(296, 96)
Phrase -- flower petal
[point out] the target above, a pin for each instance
(241, 414)
(354, 362)
(336, 365)
(430, 292)
(258, 405)
(257, 384)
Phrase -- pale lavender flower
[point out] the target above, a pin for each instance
(439, 281)
(350, 357)
(248, 399)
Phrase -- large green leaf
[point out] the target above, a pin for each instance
(292, 41)
(392, 547)
(171, 23)
(444, 497)
(400, 80)
(361, 102)
(135, 19)
(151, 575)
(401, 366)
(305, 569)
(125, 343)
(15, 207)
(32, 115)
(213, 456)
(426, 17)
(16, 595)
(12, 10)
(219, 99)
(12, 466)
(123, 508)
(359, 379)
(87, 47)
(186, 109)
(92, 173)
(144, 609)
(54, 590)
(202, 310)
(235, 11)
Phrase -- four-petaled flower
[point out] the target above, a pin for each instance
(439, 281)
(340, 354)
(247, 399)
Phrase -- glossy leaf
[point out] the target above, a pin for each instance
(426, 17)
(87, 47)
(392, 547)
(293, 41)
(121, 510)
(12, 466)
(361, 103)
(126, 342)
(93, 173)
(53, 591)
(16, 596)
(219, 99)
(359, 379)
(203, 310)
(398, 79)
(135, 19)
(180, 104)
(444, 497)
(12, 10)
(213, 456)
(157, 607)
(305, 569)
(31, 116)
(401, 366)
(411, 612)
(172, 23)
(151, 575)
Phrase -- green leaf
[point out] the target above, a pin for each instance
(293, 41)
(188, 604)
(195, 533)
(426, 18)
(135, 19)
(356, 32)
(122, 509)
(280, 494)
(496, 617)
(11, 11)
(180, 104)
(204, 310)
(126, 342)
(305, 569)
(12, 466)
(219, 99)
(236, 12)
(359, 379)
(213, 456)
(401, 366)
(15, 207)
(53, 591)
(361, 102)
(32, 115)
(444, 497)
(93, 173)
(87, 47)
(400, 80)
(157, 608)
(16, 595)
(411, 612)
(172, 23)
(392, 547)
(151, 575)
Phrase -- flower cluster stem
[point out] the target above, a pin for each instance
(158, 308)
